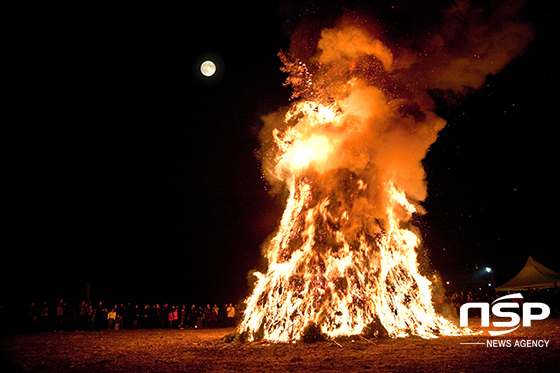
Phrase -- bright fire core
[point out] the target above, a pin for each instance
(348, 152)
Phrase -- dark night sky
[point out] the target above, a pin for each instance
(124, 171)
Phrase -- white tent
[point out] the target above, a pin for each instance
(533, 276)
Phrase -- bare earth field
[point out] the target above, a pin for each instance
(205, 351)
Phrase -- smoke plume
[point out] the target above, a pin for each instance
(471, 43)
(389, 121)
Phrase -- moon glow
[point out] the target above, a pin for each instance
(208, 68)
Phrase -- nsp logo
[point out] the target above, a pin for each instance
(498, 311)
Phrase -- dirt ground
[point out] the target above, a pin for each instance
(205, 351)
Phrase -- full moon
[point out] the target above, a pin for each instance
(208, 68)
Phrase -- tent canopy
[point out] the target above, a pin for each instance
(534, 275)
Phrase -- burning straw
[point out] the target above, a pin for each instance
(348, 151)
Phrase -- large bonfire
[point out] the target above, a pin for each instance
(348, 151)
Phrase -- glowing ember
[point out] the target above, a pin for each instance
(349, 152)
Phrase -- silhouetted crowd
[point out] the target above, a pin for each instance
(449, 305)
(60, 316)
(99, 316)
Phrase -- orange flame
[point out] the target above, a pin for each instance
(349, 152)
(317, 271)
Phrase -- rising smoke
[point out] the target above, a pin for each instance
(390, 122)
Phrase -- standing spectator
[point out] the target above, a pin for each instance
(100, 317)
(192, 317)
(127, 316)
(33, 316)
(82, 316)
(239, 309)
(476, 310)
(103, 319)
(111, 317)
(70, 317)
(135, 314)
(230, 316)
(447, 307)
(212, 317)
(44, 318)
(165, 316)
(158, 315)
(118, 319)
(206, 316)
(91, 317)
(222, 316)
(59, 316)
(216, 310)
(182, 317)
(457, 300)
(173, 317)
(120, 316)
(170, 317)
(202, 321)
(143, 322)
